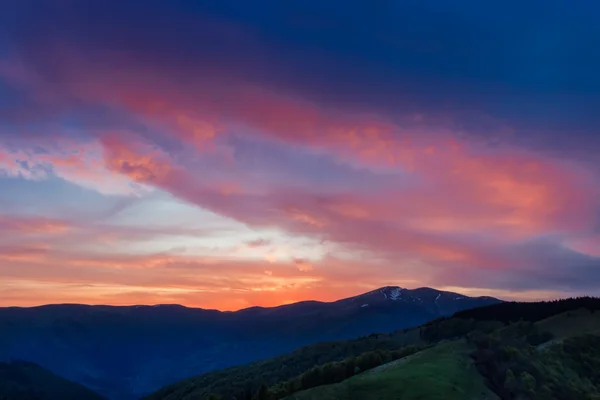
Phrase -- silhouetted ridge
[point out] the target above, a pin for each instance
(532, 311)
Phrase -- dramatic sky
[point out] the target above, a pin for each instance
(230, 153)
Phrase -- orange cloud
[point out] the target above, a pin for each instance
(222, 284)
(33, 225)
(33, 253)
(191, 280)
(303, 265)
(137, 160)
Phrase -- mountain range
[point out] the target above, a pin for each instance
(126, 352)
(504, 351)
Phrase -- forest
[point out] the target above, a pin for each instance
(515, 355)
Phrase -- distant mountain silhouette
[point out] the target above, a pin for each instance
(126, 352)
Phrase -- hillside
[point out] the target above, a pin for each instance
(564, 370)
(21, 380)
(231, 382)
(456, 357)
(444, 372)
(127, 352)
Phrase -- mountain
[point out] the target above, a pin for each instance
(544, 350)
(126, 352)
(20, 380)
(556, 358)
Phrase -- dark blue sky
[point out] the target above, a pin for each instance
(532, 62)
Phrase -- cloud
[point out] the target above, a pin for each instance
(303, 265)
(258, 243)
(78, 163)
(379, 54)
(43, 275)
(428, 151)
(14, 164)
(509, 194)
(586, 245)
(209, 278)
(410, 224)
(33, 225)
(466, 209)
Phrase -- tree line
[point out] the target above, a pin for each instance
(534, 311)
(516, 370)
(329, 373)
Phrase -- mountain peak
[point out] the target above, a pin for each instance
(386, 292)
(436, 301)
(392, 292)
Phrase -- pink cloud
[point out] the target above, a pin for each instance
(456, 207)
(587, 245)
(208, 105)
(413, 221)
(258, 243)
(80, 163)
(517, 192)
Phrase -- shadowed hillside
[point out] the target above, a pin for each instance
(21, 380)
(450, 358)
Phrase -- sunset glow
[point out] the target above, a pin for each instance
(185, 154)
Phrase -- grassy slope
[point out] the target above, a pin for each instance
(444, 372)
(281, 368)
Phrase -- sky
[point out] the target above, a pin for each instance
(232, 153)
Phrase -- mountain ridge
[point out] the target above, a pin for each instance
(176, 305)
(124, 352)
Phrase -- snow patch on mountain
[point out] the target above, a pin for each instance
(395, 293)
